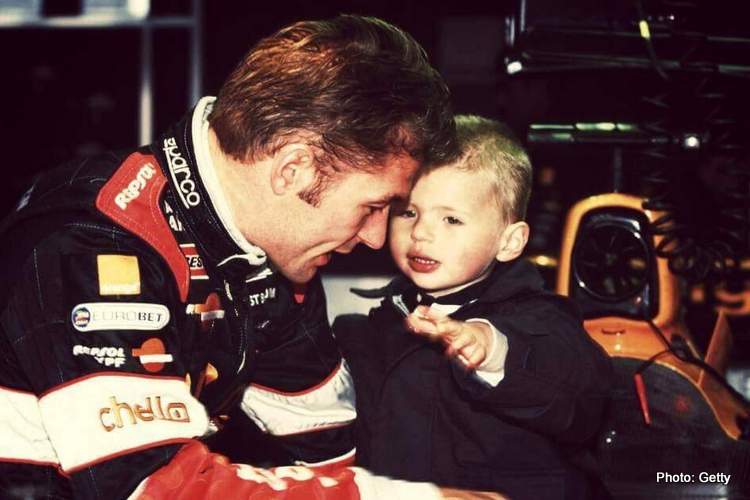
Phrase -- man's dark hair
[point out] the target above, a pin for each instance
(361, 88)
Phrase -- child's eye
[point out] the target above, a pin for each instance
(407, 213)
(453, 221)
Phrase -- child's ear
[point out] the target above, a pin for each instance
(513, 241)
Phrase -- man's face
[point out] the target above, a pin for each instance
(353, 209)
(448, 234)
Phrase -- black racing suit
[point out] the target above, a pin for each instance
(133, 324)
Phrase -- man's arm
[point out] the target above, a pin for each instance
(95, 372)
(301, 398)
(95, 407)
(197, 474)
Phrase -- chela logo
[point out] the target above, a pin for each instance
(118, 415)
(134, 187)
(180, 172)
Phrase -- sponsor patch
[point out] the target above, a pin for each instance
(195, 262)
(211, 305)
(93, 316)
(208, 312)
(174, 222)
(116, 414)
(259, 298)
(152, 355)
(180, 172)
(118, 275)
(105, 356)
(135, 186)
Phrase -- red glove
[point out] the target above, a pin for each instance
(197, 474)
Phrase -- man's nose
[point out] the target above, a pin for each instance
(374, 229)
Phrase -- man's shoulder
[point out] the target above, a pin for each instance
(59, 217)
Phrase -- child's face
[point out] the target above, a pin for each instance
(448, 233)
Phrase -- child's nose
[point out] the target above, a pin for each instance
(421, 231)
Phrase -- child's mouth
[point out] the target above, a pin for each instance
(422, 264)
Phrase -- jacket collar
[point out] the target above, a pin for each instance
(199, 202)
(507, 280)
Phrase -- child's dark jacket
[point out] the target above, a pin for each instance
(422, 417)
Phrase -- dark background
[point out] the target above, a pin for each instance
(74, 92)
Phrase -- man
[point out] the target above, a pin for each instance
(150, 294)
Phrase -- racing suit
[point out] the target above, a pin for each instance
(134, 319)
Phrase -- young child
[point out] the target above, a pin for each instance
(469, 374)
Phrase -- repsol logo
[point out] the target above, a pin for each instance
(118, 415)
(107, 356)
(180, 172)
(134, 188)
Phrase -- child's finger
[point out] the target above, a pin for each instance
(431, 313)
(463, 360)
(420, 326)
(449, 327)
(461, 342)
(476, 356)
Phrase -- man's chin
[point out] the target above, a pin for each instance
(301, 277)
(305, 273)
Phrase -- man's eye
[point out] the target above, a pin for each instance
(453, 221)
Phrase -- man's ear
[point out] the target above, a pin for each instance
(512, 241)
(292, 168)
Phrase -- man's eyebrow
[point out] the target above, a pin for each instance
(386, 199)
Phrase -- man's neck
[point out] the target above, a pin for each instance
(239, 190)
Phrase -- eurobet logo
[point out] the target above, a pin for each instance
(118, 415)
(93, 316)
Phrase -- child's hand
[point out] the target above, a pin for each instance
(470, 342)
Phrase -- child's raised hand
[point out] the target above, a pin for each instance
(470, 342)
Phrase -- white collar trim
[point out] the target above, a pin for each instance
(255, 255)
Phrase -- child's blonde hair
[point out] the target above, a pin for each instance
(489, 148)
